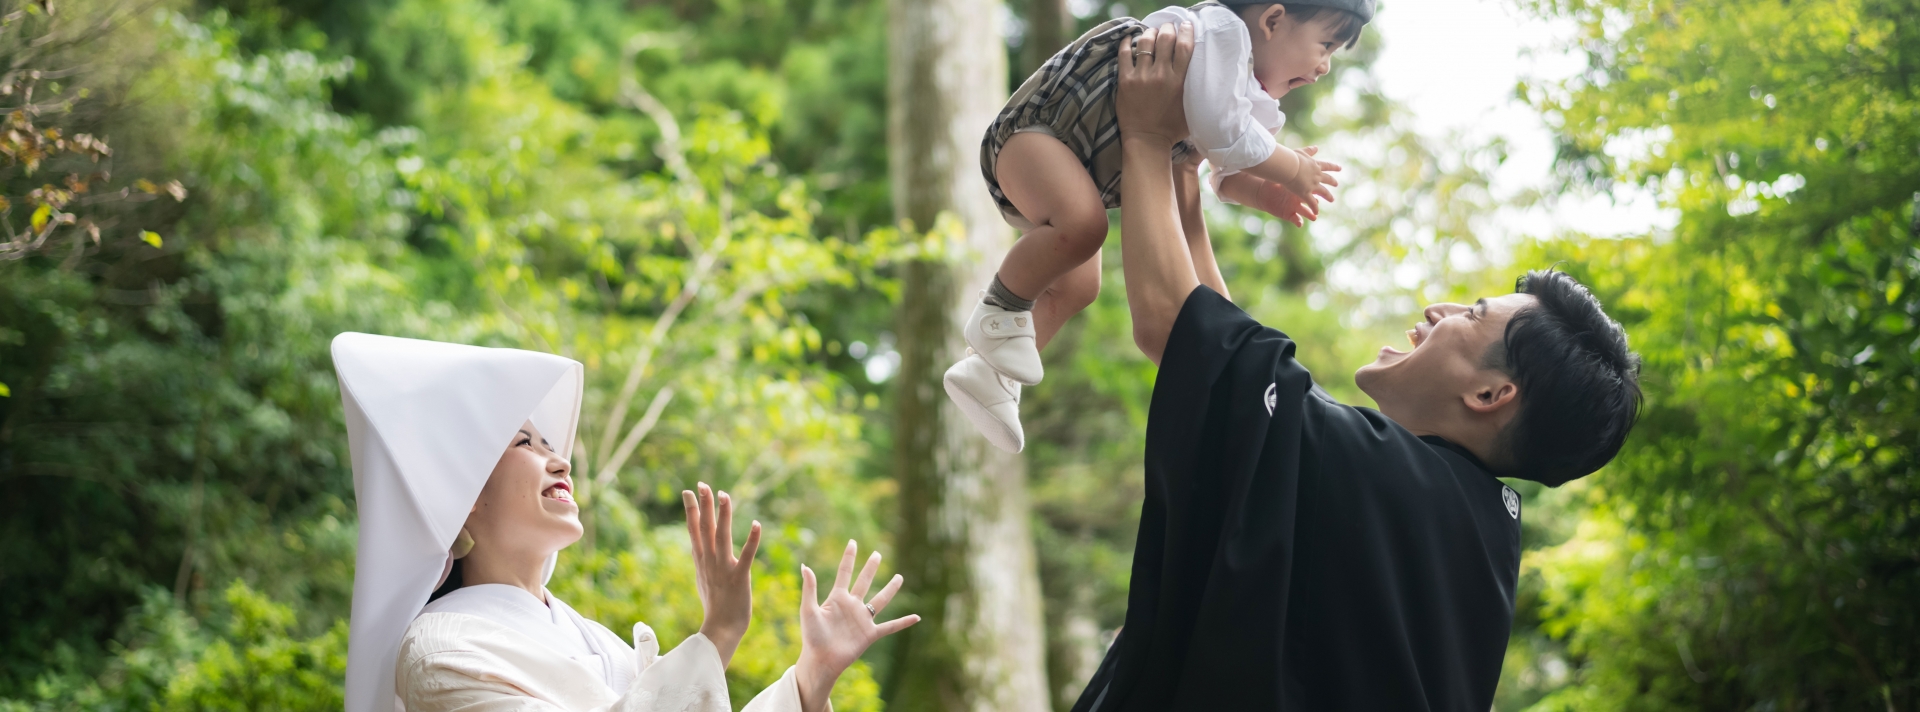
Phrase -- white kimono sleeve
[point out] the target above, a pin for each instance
(461, 663)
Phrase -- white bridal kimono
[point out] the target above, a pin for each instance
(426, 422)
(495, 647)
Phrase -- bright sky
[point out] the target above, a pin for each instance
(1454, 63)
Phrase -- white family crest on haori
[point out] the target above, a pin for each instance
(1273, 397)
(426, 422)
(1512, 499)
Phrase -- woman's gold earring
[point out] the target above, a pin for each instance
(462, 544)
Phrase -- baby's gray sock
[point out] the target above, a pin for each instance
(999, 296)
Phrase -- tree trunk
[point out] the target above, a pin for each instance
(1050, 26)
(1075, 645)
(964, 542)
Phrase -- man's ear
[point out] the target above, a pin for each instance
(1490, 396)
(1269, 21)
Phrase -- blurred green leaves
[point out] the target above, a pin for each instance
(250, 659)
(1757, 545)
(180, 412)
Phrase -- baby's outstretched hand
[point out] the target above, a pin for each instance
(833, 634)
(1313, 176)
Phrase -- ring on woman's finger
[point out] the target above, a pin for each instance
(1138, 52)
(872, 613)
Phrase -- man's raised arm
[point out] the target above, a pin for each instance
(1186, 192)
(1155, 258)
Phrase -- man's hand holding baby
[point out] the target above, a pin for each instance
(1153, 70)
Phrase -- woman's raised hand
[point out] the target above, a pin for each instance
(833, 634)
(1153, 76)
(725, 582)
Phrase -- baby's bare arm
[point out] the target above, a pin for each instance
(1297, 171)
(1268, 197)
(1242, 188)
(1279, 167)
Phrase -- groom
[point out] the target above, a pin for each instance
(1295, 553)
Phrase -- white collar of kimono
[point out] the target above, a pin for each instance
(546, 622)
(426, 423)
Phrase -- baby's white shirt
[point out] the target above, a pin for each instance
(1231, 119)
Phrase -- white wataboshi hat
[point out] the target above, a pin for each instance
(427, 422)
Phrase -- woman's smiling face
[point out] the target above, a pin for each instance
(527, 505)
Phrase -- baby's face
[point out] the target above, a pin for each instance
(1288, 54)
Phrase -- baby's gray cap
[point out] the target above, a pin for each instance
(1363, 8)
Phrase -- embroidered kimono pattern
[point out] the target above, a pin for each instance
(455, 661)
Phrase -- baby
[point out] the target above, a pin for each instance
(1052, 162)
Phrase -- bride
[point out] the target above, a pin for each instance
(458, 540)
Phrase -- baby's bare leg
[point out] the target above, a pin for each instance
(1070, 294)
(1042, 178)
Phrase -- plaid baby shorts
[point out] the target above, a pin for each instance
(1071, 99)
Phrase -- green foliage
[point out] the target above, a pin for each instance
(1755, 547)
(253, 665)
(180, 412)
(810, 74)
(251, 660)
(58, 176)
(179, 406)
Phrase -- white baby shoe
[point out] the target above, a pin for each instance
(990, 400)
(1006, 340)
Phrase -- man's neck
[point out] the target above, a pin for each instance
(1479, 441)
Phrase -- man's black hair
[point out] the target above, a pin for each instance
(1346, 26)
(1579, 383)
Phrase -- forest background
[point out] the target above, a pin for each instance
(694, 199)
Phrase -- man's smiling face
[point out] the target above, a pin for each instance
(1448, 359)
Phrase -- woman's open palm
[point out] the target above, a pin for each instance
(835, 632)
(725, 581)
